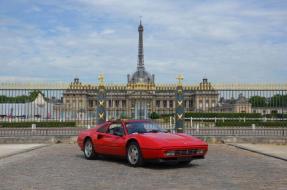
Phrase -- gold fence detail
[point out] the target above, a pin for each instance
(114, 86)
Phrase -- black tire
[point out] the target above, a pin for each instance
(185, 163)
(134, 155)
(89, 150)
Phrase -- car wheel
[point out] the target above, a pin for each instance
(89, 150)
(134, 155)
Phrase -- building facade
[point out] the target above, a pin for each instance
(239, 105)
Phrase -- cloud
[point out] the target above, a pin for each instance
(226, 41)
(107, 31)
(21, 79)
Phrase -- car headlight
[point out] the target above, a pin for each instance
(170, 153)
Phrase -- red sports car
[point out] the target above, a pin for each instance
(140, 141)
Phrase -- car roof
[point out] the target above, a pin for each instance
(127, 121)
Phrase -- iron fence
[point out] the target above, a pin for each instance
(238, 132)
(199, 132)
(65, 103)
(22, 132)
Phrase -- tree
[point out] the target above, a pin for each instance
(123, 115)
(20, 99)
(154, 115)
(278, 101)
(33, 95)
(258, 101)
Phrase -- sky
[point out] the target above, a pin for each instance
(242, 41)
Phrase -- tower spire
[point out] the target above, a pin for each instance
(140, 47)
(141, 75)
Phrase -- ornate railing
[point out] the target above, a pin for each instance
(231, 86)
(238, 132)
(200, 132)
(22, 132)
(45, 102)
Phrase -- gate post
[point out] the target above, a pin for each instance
(101, 101)
(179, 110)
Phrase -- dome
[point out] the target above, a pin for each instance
(141, 76)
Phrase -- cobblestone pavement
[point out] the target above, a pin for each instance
(62, 166)
(11, 149)
(279, 151)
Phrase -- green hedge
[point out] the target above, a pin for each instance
(38, 124)
(226, 115)
(277, 115)
(218, 115)
(249, 123)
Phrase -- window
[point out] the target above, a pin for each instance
(116, 129)
(158, 103)
(102, 129)
(117, 102)
(91, 103)
(171, 104)
(110, 103)
(124, 103)
(143, 127)
(206, 103)
(200, 103)
(164, 103)
(190, 103)
(213, 103)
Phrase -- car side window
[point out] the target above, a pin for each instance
(135, 128)
(102, 129)
(116, 129)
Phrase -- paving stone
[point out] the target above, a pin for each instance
(63, 166)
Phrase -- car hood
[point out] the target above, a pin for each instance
(172, 140)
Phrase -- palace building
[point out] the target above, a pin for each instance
(140, 96)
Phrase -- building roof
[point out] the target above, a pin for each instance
(141, 76)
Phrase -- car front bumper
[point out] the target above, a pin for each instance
(181, 153)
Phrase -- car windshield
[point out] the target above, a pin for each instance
(143, 127)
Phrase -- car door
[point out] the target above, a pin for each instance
(98, 139)
(113, 141)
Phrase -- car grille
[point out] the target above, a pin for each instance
(185, 152)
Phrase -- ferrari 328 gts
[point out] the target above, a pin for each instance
(139, 141)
